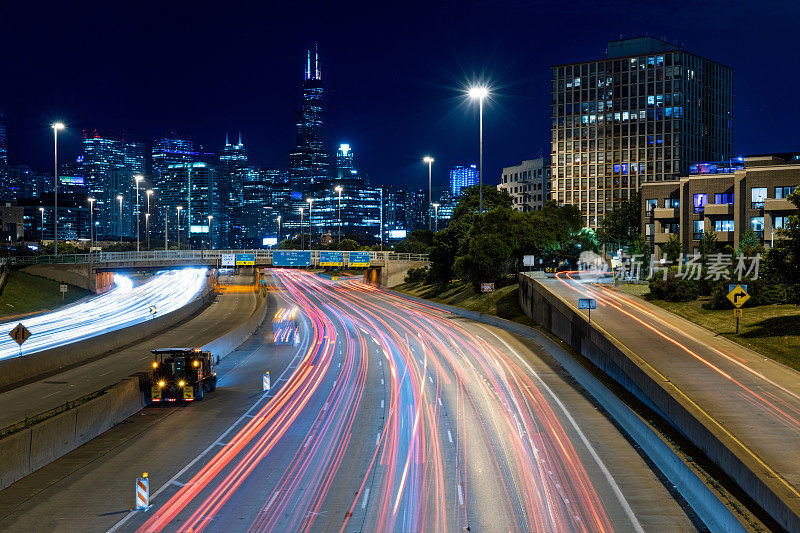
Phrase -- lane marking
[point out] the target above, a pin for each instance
(381, 404)
(381, 381)
(272, 500)
(440, 401)
(366, 496)
(449, 436)
(460, 495)
(378, 439)
(637, 526)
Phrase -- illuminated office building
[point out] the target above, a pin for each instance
(193, 186)
(461, 177)
(642, 114)
(528, 184)
(308, 160)
(5, 185)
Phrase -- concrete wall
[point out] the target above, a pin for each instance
(713, 511)
(32, 448)
(30, 366)
(619, 363)
(225, 344)
(80, 275)
(394, 272)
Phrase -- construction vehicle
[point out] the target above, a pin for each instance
(181, 375)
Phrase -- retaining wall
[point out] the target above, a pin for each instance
(32, 448)
(225, 344)
(705, 502)
(20, 369)
(554, 314)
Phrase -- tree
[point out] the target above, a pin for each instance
(418, 242)
(671, 249)
(489, 245)
(622, 224)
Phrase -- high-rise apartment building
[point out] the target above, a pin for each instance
(528, 184)
(642, 114)
(308, 160)
(461, 177)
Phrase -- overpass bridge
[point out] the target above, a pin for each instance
(94, 271)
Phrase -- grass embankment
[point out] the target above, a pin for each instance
(503, 302)
(771, 330)
(24, 293)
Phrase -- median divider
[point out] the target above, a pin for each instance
(701, 497)
(30, 445)
(225, 344)
(18, 370)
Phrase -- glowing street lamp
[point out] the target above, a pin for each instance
(436, 217)
(302, 235)
(178, 209)
(119, 197)
(58, 126)
(428, 159)
(310, 226)
(137, 179)
(279, 229)
(210, 237)
(41, 228)
(480, 93)
(339, 190)
(149, 193)
(91, 225)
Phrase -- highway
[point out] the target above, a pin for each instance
(224, 314)
(124, 305)
(751, 401)
(388, 415)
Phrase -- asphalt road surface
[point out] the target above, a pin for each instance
(387, 415)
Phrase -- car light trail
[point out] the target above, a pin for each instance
(123, 306)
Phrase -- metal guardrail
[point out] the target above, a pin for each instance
(185, 255)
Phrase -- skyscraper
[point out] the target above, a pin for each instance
(232, 159)
(461, 177)
(642, 114)
(4, 178)
(193, 187)
(308, 160)
(528, 184)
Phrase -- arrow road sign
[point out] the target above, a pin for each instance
(20, 333)
(738, 296)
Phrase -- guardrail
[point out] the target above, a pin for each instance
(203, 256)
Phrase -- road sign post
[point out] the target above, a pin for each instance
(737, 295)
(142, 493)
(588, 304)
(487, 287)
(20, 334)
(265, 382)
(63, 290)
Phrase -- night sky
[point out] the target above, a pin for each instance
(395, 73)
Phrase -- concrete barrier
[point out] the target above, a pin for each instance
(225, 344)
(31, 448)
(20, 369)
(615, 360)
(706, 503)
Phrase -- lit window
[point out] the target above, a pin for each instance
(724, 198)
(757, 224)
(723, 225)
(757, 196)
(697, 230)
(650, 204)
(783, 192)
(780, 222)
(700, 201)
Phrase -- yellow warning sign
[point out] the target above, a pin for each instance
(737, 313)
(738, 296)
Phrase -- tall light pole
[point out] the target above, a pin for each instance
(436, 217)
(178, 209)
(279, 229)
(41, 228)
(137, 179)
(339, 190)
(58, 126)
(428, 159)
(302, 235)
(480, 93)
(91, 225)
(310, 222)
(210, 237)
(166, 220)
(147, 217)
(119, 197)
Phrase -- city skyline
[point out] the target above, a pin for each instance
(365, 105)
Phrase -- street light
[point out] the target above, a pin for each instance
(210, 237)
(166, 236)
(428, 159)
(436, 217)
(179, 226)
(41, 228)
(58, 126)
(137, 179)
(302, 235)
(310, 222)
(147, 217)
(119, 197)
(480, 93)
(91, 225)
(339, 190)
(279, 229)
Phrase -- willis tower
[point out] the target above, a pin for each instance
(309, 167)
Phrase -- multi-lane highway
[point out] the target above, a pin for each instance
(388, 415)
(125, 305)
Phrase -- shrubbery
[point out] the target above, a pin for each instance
(674, 289)
(416, 275)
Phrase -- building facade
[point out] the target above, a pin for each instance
(643, 114)
(461, 177)
(727, 198)
(528, 184)
(193, 188)
(4, 177)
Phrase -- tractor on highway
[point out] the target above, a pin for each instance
(181, 375)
